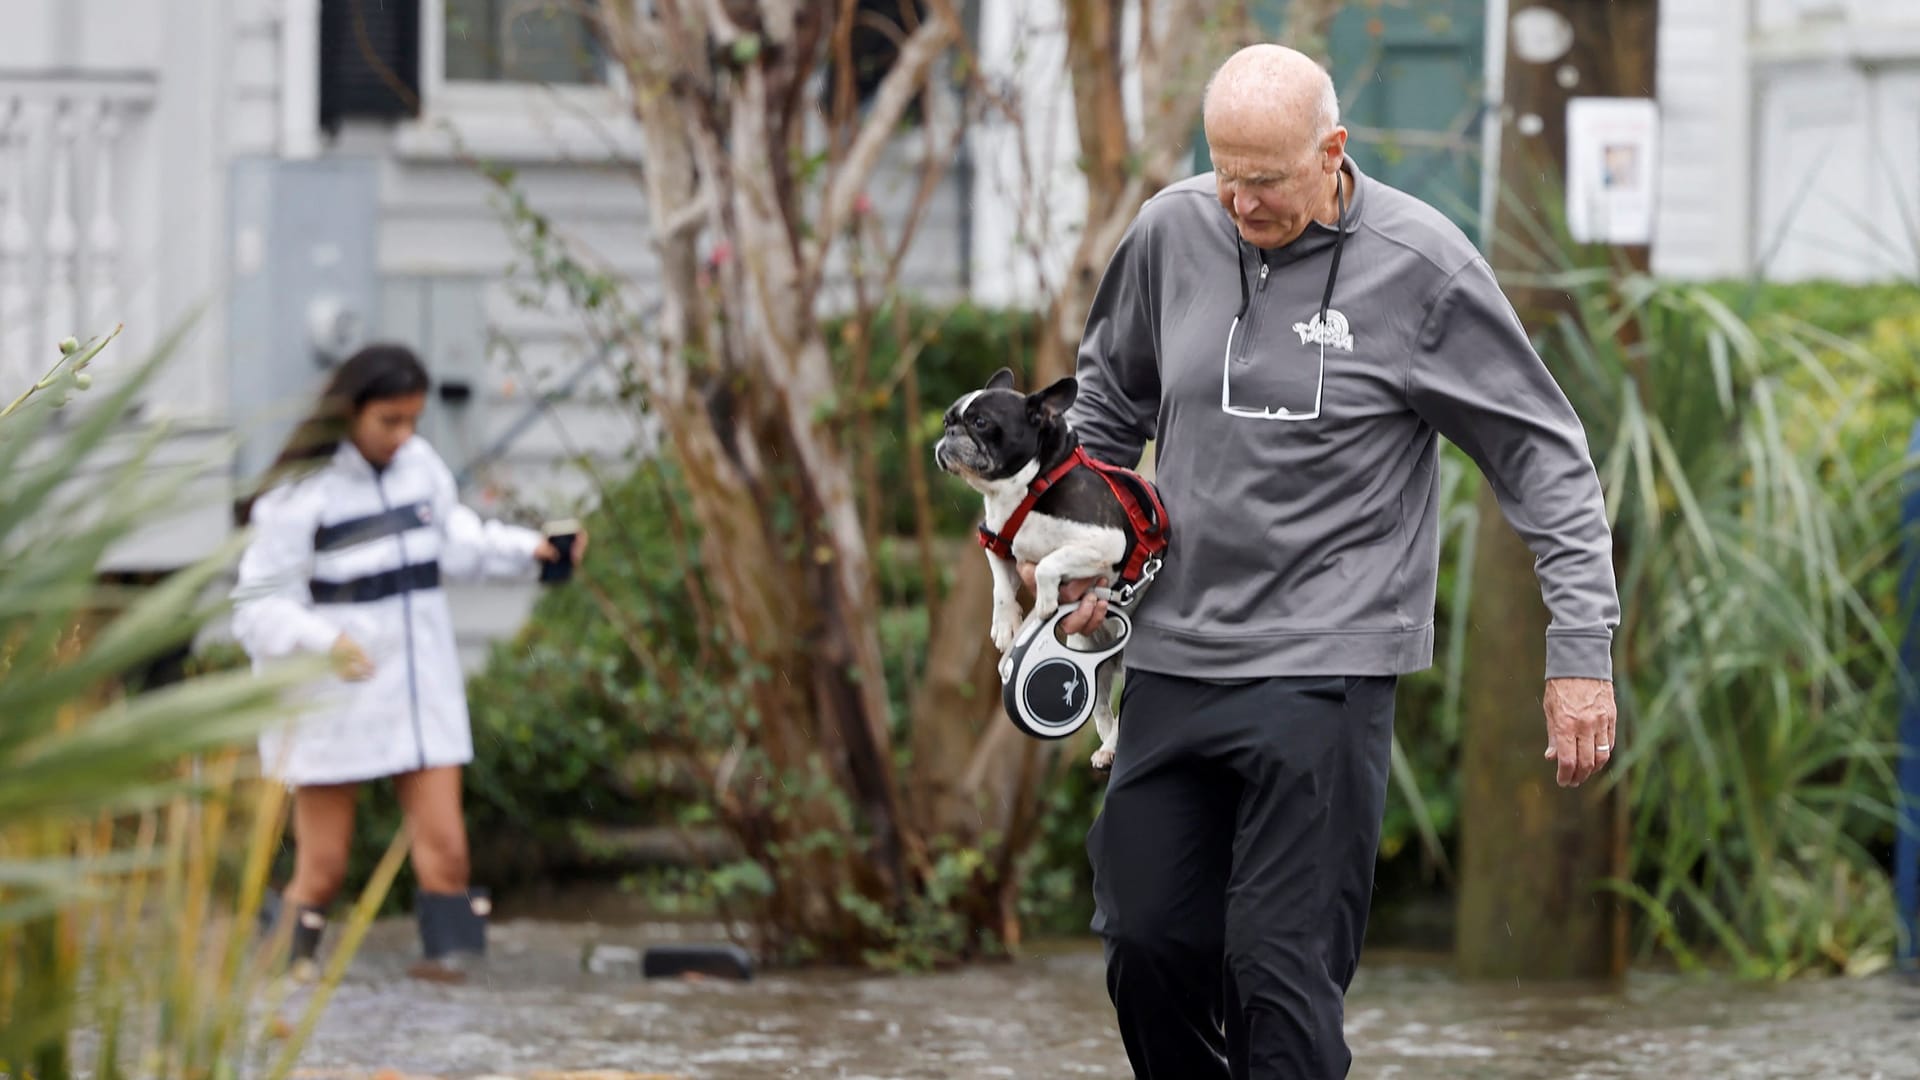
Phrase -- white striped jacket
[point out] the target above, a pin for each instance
(353, 550)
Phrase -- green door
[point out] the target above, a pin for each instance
(1410, 76)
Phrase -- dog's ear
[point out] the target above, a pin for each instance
(1054, 401)
(1002, 380)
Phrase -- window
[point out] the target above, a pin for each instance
(522, 80)
(879, 28)
(546, 41)
(369, 61)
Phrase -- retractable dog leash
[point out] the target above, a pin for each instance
(1046, 684)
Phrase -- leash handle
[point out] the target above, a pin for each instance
(1047, 685)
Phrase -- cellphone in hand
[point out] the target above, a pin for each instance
(561, 535)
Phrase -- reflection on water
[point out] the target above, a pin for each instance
(539, 1009)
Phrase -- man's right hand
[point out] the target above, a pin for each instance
(1090, 615)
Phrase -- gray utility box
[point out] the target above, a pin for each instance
(444, 318)
(307, 291)
(304, 292)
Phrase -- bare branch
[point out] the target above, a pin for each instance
(897, 90)
(688, 217)
(931, 177)
(841, 51)
(725, 31)
(1172, 81)
(778, 19)
(632, 636)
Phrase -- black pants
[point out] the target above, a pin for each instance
(1233, 869)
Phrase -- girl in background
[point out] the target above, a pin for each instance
(357, 523)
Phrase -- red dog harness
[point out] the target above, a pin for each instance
(1146, 520)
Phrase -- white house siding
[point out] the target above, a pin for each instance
(444, 255)
(139, 95)
(1705, 186)
(1837, 116)
(1702, 228)
(1814, 21)
(444, 251)
(1028, 192)
(253, 118)
(128, 87)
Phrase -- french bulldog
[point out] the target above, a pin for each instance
(999, 440)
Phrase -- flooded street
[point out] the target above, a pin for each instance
(540, 1011)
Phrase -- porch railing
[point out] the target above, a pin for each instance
(67, 147)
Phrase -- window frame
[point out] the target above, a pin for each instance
(508, 120)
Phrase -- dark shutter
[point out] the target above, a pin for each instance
(369, 60)
(874, 40)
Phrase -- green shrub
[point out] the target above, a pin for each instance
(1845, 361)
(1753, 483)
(956, 350)
(1843, 310)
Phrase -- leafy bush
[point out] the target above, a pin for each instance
(1758, 527)
(952, 351)
(1736, 387)
(1847, 311)
(1751, 471)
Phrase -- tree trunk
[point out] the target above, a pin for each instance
(957, 718)
(1181, 41)
(1531, 852)
(745, 207)
(1534, 856)
(739, 392)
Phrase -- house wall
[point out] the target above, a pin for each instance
(1837, 139)
(137, 92)
(1028, 193)
(1703, 228)
(113, 141)
(1705, 181)
(1789, 141)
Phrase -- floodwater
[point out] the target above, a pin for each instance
(565, 997)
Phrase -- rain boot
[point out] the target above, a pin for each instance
(310, 925)
(453, 933)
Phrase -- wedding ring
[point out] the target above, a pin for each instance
(1603, 749)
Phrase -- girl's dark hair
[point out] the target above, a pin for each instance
(375, 373)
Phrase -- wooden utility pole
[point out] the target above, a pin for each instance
(1534, 854)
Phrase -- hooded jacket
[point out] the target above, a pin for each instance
(355, 550)
(1299, 461)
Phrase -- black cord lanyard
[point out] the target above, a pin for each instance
(1333, 272)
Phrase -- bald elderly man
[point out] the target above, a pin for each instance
(1294, 336)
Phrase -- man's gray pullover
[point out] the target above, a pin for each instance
(1303, 493)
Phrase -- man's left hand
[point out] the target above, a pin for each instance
(1580, 724)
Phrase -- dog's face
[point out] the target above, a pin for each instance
(992, 433)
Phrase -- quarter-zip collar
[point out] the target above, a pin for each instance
(1256, 263)
(1314, 239)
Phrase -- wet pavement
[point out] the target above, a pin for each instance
(540, 1013)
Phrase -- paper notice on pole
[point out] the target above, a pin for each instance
(1612, 144)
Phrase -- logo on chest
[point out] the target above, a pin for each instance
(1334, 333)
